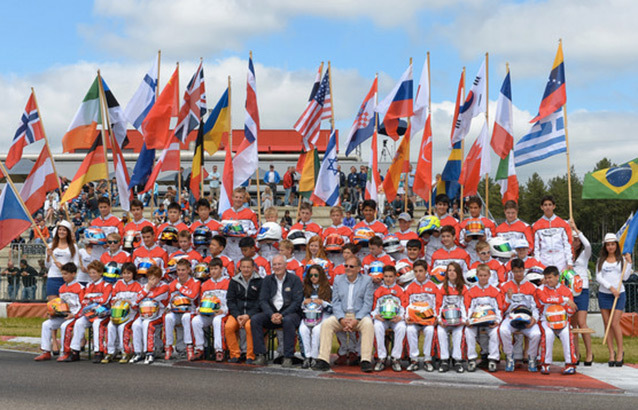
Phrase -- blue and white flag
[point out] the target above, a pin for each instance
(327, 187)
(544, 139)
(143, 99)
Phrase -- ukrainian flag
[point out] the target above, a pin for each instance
(217, 125)
(612, 183)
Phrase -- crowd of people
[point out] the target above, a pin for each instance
(470, 287)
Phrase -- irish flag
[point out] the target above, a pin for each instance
(83, 128)
(503, 141)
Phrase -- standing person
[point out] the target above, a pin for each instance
(474, 228)
(363, 180)
(352, 298)
(581, 249)
(513, 229)
(272, 178)
(59, 252)
(288, 184)
(342, 181)
(215, 177)
(245, 216)
(353, 183)
(108, 222)
(552, 237)
(609, 268)
(12, 273)
(29, 275)
(280, 301)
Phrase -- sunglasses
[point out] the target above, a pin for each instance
(112, 242)
(314, 275)
(350, 266)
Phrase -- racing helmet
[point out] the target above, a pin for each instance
(405, 272)
(210, 306)
(391, 244)
(556, 317)
(421, 313)
(149, 308)
(171, 266)
(57, 308)
(233, 228)
(362, 236)
(451, 316)
(297, 237)
(501, 247)
(145, 263)
(470, 276)
(573, 281)
(94, 236)
(202, 236)
(389, 308)
(201, 271)
(520, 317)
(483, 315)
(312, 314)
(120, 312)
(180, 304)
(375, 270)
(131, 240)
(333, 243)
(437, 275)
(428, 224)
(475, 228)
(169, 235)
(534, 275)
(270, 230)
(111, 272)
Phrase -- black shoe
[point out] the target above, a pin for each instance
(444, 366)
(621, 362)
(261, 360)
(578, 360)
(306, 363)
(366, 366)
(73, 357)
(97, 358)
(233, 360)
(612, 363)
(588, 364)
(321, 366)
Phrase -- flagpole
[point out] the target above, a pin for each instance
(462, 150)
(48, 147)
(407, 174)
(376, 127)
(24, 206)
(102, 109)
(159, 60)
(332, 105)
(430, 117)
(569, 173)
(487, 109)
(179, 172)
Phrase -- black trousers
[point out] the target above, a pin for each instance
(289, 324)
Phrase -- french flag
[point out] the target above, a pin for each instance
(397, 104)
(13, 217)
(29, 131)
(41, 180)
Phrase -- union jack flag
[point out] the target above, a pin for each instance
(319, 108)
(29, 131)
(194, 106)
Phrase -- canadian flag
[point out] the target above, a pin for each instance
(41, 180)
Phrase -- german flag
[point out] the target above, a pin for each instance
(198, 164)
(93, 168)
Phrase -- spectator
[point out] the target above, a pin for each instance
(353, 182)
(267, 199)
(159, 215)
(342, 181)
(179, 178)
(51, 206)
(12, 274)
(29, 276)
(272, 178)
(349, 221)
(215, 177)
(289, 182)
(287, 220)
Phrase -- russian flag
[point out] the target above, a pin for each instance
(13, 218)
(555, 95)
(397, 104)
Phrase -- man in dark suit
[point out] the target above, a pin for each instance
(280, 300)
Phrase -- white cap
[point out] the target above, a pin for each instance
(521, 243)
(610, 237)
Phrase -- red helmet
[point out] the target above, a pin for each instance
(334, 242)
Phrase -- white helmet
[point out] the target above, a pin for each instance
(405, 272)
(297, 237)
(501, 248)
(391, 244)
(470, 277)
(269, 230)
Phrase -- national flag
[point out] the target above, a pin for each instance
(309, 173)
(197, 165)
(502, 135)
(457, 106)
(555, 95)
(622, 232)
(217, 125)
(422, 121)
(29, 131)
(630, 236)
(476, 164)
(142, 101)
(169, 160)
(506, 178)
(364, 124)
(318, 108)
(399, 165)
(92, 168)
(143, 167)
(326, 191)
(227, 185)
(246, 158)
(14, 219)
(116, 116)
(374, 179)
(544, 139)
(422, 101)
(397, 104)
(194, 106)
(619, 182)
(121, 177)
(475, 104)
(83, 128)
(41, 180)
(449, 182)
(156, 125)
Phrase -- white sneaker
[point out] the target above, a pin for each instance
(137, 358)
(149, 359)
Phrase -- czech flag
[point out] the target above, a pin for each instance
(13, 217)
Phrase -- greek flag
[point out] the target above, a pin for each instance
(544, 139)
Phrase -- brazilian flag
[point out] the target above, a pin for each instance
(619, 182)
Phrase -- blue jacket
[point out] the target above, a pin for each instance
(267, 176)
(292, 292)
(363, 296)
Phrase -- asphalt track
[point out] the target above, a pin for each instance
(25, 384)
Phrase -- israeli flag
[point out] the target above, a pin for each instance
(327, 186)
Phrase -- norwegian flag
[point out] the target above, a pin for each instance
(319, 108)
(194, 106)
(29, 131)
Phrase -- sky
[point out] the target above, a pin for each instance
(57, 47)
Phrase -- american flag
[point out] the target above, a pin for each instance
(29, 131)
(194, 106)
(319, 108)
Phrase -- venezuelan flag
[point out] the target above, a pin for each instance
(217, 125)
(555, 94)
(92, 168)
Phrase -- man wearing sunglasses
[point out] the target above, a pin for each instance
(352, 296)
